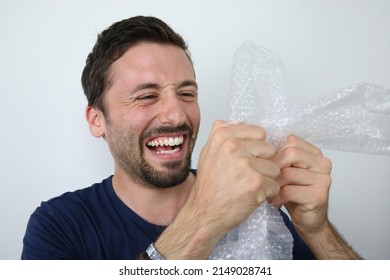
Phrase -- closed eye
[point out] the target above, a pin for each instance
(147, 99)
(188, 96)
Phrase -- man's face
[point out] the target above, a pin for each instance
(153, 114)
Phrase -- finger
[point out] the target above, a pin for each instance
(301, 186)
(259, 149)
(297, 157)
(278, 201)
(293, 141)
(264, 167)
(303, 177)
(222, 130)
(269, 191)
(308, 197)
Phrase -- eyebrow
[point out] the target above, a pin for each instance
(143, 86)
(188, 83)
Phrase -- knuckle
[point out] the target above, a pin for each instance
(317, 150)
(291, 153)
(257, 132)
(232, 145)
(328, 181)
(327, 164)
(289, 174)
(293, 139)
(242, 165)
(262, 133)
(219, 131)
(218, 123)
(322, 198)
(276, 172)
(270, 148)
(322, 192)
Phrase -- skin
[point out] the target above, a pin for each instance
(237, 169)
(152, 86)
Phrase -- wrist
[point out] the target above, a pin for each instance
(153, 253)
(190, 236)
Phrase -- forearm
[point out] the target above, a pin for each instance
(190, 236)
(328, 244)
(184, 244)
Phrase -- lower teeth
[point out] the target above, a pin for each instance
(168, 151)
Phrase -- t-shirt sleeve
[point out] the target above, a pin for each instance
(46, 236)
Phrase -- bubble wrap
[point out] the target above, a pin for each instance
(353, 119)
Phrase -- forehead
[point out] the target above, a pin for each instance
(152, 62)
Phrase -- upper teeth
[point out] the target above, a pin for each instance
(171, 141)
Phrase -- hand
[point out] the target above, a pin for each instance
(235, 175)
(305, 181)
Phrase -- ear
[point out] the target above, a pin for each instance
(96, 121)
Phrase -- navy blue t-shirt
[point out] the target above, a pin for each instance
(93, 223)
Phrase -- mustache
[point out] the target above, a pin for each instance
(165, 130)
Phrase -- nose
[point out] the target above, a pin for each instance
(172, 111)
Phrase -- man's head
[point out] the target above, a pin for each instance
(113, 42)
(142, 96)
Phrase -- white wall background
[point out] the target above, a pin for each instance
(45, 146)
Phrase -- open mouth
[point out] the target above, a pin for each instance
(166, 145)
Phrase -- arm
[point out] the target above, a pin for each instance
(234, 176)
(305, 181)
(45, 237)
(328, 244)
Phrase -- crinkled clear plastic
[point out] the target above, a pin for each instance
(352, 119)
(262, 236)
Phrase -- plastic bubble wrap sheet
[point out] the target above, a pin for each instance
(353, 119)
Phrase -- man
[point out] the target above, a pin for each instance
(142, 99)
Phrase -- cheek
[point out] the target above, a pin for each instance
(193, 114)
(136, 120)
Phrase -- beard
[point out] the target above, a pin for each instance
(128, 152)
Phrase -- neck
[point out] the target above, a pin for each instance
(157, 206)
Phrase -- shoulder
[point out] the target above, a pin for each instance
(74, 201)
(84, 194)
(72, 208)
(58, 222)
